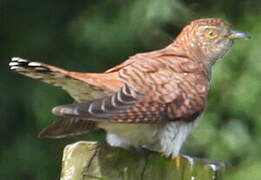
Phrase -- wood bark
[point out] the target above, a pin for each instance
(93, 161)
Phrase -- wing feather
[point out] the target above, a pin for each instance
(104, 108)
(125, 108)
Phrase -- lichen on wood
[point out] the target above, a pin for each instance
(94, 161)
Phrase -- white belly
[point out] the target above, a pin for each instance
(168, 138)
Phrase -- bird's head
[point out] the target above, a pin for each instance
(209, 38)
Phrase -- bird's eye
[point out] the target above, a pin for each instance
(211, 34)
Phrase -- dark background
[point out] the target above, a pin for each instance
(94, 35)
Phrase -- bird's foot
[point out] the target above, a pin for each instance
(177, 161)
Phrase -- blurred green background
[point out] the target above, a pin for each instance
(95, 35)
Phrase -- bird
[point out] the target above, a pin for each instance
(153, 100)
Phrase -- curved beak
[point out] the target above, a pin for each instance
(239, 35)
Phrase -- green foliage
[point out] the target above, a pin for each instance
(95, 35)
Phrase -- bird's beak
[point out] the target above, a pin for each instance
(238, 35)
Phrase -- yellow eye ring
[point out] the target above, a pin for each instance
(211, 34)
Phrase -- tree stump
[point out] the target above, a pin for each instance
(93, 161)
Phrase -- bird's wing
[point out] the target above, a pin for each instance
(79, 89)
(151, 94)
(125, 108)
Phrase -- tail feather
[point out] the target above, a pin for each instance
(64, 127)
(73, 83)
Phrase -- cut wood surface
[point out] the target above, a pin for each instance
(93, 161)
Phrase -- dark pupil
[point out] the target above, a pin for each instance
(211, 34)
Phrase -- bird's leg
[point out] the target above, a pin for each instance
(177, 161)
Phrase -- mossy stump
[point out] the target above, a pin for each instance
(93, 161)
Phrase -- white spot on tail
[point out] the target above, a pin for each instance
(19, 59)
(13, 64)
(34, 64)
(17, 68)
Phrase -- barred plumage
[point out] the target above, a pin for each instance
(151, 100)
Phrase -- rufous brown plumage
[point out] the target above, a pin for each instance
(152, 100)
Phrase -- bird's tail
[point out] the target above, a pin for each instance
(81, 86)
(64, 126)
